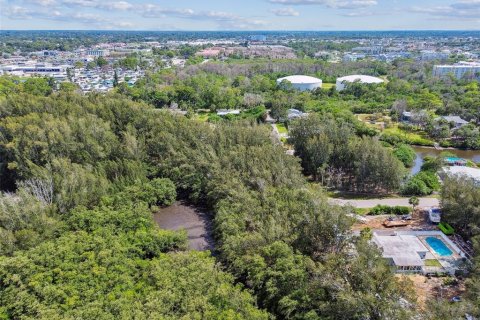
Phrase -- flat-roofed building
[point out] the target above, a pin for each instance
(419, 251)
(30, 69)
(459, 70)
(97, 53)
(403, 251)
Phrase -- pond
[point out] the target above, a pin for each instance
(422, 152)
(195, 221)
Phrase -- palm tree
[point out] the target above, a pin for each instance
(414, 201)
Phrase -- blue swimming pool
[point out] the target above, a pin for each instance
(438, 246)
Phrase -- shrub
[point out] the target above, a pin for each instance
(214, 118)
(382, 209)
(446, 228)
(366, 233)
(156, 192)
(164, 191)
(445, 144)
(415, 187)
(450, 281)
(406, 154)
(394, 138)
(430, 178)
(431, 164)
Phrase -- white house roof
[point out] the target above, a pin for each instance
(360, 78)
(300, 79)
(224, 112)
(403, 249)
(473, 173)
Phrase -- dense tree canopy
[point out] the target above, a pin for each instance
(81, 175)
(331, 151)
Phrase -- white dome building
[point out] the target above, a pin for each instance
(302, 83)
(341, 82)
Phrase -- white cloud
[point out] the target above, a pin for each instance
(107, 5)
(467, 4)
(16, 12)
(223, 19)
(118, 5)
(359, 14)
(337, 4)
(88, 19)
(285, 12)
(466, 10)
(43, 3)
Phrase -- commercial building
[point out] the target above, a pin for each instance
(369, 50)
(27, 69)
(302, 83)
(349, 57)
(342, 82)
(459, 70)
(97, 53)
(427, 55)
(262, 51)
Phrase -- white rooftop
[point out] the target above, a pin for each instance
(461, 64)
(403, 249)
(473, 173)
(300, 79)
(361, 78)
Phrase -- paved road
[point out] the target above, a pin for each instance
(370, 203)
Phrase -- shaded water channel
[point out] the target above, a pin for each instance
(422, 152)
(195, 221)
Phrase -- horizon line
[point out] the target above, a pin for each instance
(239, 30)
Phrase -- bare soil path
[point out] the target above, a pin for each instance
(195, 221)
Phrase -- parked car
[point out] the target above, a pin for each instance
(434, 215)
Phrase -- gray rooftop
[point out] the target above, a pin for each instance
(403, 249)
(455, 119)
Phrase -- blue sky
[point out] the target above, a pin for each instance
(240, 14)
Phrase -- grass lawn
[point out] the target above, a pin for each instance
(362, 211)
(419, 138)
(432, 263)
(202, 117)
(281, 128)
(327, 86)
(363, 116)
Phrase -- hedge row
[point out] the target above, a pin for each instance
(446, 228)
(382, 209)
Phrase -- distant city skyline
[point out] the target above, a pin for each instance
(327, 15)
